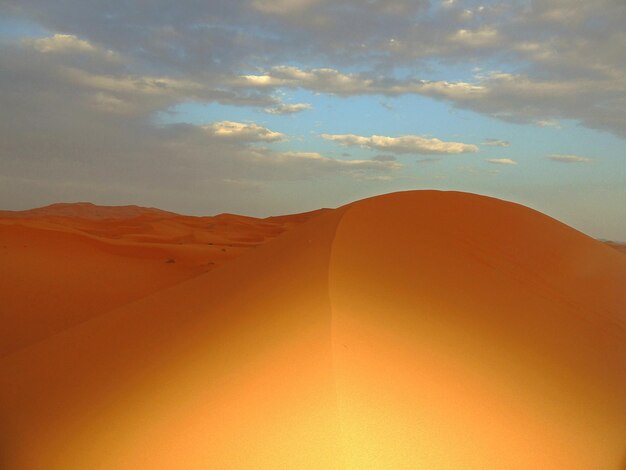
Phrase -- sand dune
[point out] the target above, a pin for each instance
(425, 329)
(65, 263)
(85, 210)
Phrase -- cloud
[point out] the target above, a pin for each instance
(485, 36)
(242, 132)
(384, 158)
(113, 87)
(276, 166)
(595, 102)
(502, 161)
(569, 158)
(285, 108)
(327, 80)
(88, 135)
(332, 81)
(283, 7)
(548, 123)
(60, 43)
(170, 90)
(496, 143)
(69, 44)
(568, 58)
(319, 159)
(404, 144)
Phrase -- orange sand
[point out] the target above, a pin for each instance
(65, 263)
(422, 329)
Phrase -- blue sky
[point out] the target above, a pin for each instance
(191, 108)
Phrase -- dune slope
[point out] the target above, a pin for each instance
(414, 330)
(63, 264)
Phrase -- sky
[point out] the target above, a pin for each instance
(265, 107)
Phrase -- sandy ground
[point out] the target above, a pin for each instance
(423, 329)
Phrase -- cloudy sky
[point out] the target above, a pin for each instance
(265, 107)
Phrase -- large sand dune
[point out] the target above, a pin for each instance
(424, 329)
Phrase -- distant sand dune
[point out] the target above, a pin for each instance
(85, 210)
(425, 329)
(65, 263)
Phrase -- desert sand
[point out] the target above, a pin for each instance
(64, 263)
(424, 329)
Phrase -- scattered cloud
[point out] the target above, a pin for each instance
(496, 143)
(502, 161)
(306, 165)
(568, 57)
(242, 132)
(59, 43)
(403, 144)
(104, 75)
(366, 177)
(481, 37)
(569, 158)
(286, 108)
(326, 80)
(340, 164)
(519, 97)
(548, 123)
(333, 81)
(283, 7)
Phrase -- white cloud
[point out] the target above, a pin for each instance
(481, 37)
(242, 132)
(61, 43)
(548, 123)
(70, 45)
(518, 97)
(365, 177)
(135, 84)
(403, 144)
(345, 164)
(150, 93)
(332, 81)
(327, 80)
(298, 165)
(286, 108)
(111, 104)
(569, 158)
(496, 143)
(502, 161)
